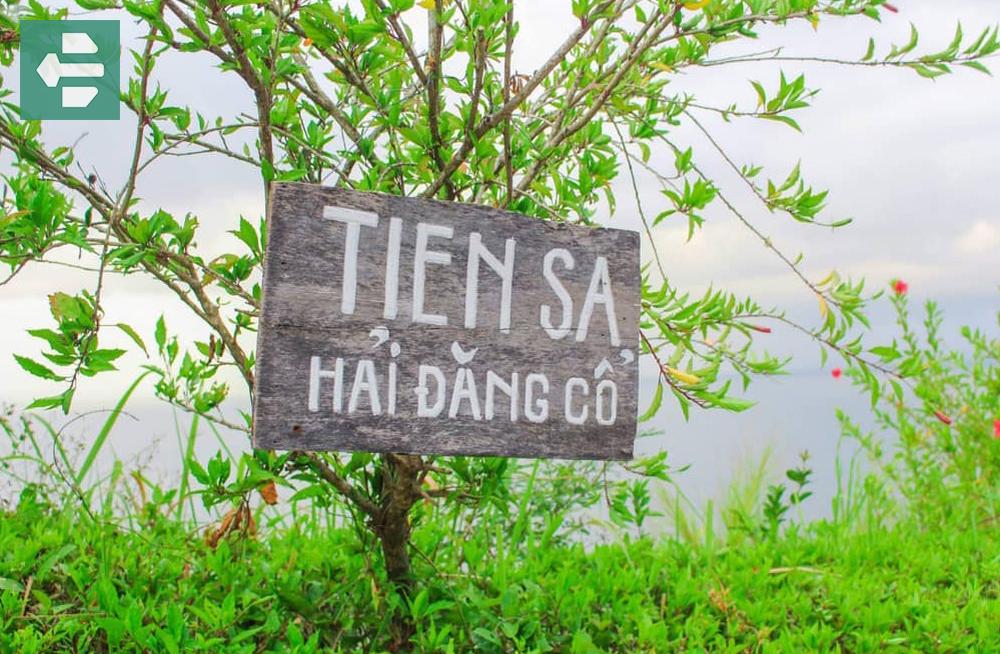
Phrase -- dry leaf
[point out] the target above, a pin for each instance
(685, 377)
(269, 493)
(824, 308)
(212, 538)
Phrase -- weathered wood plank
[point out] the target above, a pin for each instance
(356, 361)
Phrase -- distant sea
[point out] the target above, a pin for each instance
(793, 414)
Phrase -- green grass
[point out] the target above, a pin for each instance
(70, 584)
(107, 561)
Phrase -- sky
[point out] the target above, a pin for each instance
(913, 161)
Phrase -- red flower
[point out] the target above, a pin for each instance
(836, 372)
(758, 328)
(899, 287)
(996, 429)
(892, 8)
(942, 416)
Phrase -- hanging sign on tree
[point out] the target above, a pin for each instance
(395, 324)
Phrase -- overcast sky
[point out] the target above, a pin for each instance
(915, 162)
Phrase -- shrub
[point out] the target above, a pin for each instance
(938, 424)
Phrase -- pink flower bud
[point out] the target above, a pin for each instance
(942, 416)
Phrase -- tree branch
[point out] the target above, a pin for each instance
(339, 483)
(494, 119)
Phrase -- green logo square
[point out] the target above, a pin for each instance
(70, 69)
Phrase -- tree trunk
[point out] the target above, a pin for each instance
(400, 490)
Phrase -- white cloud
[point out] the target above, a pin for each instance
(983, 237)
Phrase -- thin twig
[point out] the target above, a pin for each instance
(494, 119)
(638, 203)
(508, 21)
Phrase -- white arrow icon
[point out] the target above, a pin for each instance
(78, 97)
(51, 70)
(78, 43)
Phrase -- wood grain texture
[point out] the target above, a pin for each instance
(302, 318)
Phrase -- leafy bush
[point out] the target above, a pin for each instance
(938, 437)
(68, 583)
(918, 570)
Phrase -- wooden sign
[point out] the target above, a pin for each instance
(394, 324)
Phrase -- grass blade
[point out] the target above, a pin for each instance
(186, 467)
(57, 442)
(106, 428)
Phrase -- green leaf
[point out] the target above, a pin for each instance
(654, 407)
(927, 71)
(885, 353)
(646, 151)
(975, 65)
(161, 333)
(131, 333)
(50, 402)
(10, 585)
(64, 307)
(734, 404)
(198, 472)
(36, 369)
(50, 561)
(782, 119)
(870, 52)
(761, 94)
(248, 235)
(365, 31)
(56, 341)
